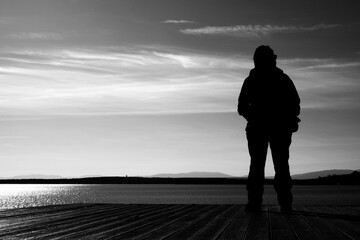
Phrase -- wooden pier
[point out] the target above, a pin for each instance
(179, 221)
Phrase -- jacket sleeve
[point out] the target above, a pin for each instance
(244, 100)
(294, 99)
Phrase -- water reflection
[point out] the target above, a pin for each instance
(29, 195)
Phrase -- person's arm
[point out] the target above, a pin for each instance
(294, 99)
(244, 101)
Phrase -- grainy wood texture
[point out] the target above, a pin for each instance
(179, 221)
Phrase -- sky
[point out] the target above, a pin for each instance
(140, 87)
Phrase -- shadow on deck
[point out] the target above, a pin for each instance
(179, 221)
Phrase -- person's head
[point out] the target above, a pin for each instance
(264, 57)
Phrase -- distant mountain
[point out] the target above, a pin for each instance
(90, 176)
(309, 175)
(324, 173)
(193, 175)
(35, 176)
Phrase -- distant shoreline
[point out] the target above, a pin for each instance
(343, 180)
(127, 180)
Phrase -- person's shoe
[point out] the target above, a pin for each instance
(253, 207)
(286, 208)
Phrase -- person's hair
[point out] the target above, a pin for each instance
(264, 57)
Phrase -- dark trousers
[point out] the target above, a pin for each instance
(279, 142)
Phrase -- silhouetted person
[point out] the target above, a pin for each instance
(270, 103)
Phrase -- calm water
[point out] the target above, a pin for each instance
(26, 195)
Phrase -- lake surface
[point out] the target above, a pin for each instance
(27, 195)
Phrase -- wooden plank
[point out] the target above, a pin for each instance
(238, 227)
(213, 229)
(114, 222)
(325, 228)
(190, 228)
(157, 224)
(26, 220)
(15, 220)
(258, 228)
(169, 229)
(348, 228)
(68, 212)
(133, 223)
(326, 212)
(302, 229)
(58, 218)
(38, 216)
(89, 221)
(22, 212)
(280, 227)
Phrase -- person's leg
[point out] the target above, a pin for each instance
(257, 144)
(279, 144)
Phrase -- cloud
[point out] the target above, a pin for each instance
(35, 36)
(320, 63)
(253, 30)
(178, 21)
(116, 81)
(114, 60)
(185, 61)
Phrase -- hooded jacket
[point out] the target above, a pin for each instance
(269, 100)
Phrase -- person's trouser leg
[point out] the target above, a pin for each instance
(279, 144)
(257, 144)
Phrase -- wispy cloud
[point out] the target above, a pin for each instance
(254, 30)
(83, 81)
(35, 36)
(178, 21)
(320, 63)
